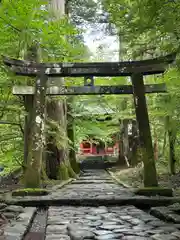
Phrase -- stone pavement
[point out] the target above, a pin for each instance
(85, 221)
(93, 188)
(106, 223)
(102, 222)
(18, 218)
(94, 184)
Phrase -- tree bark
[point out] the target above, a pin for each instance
(155, 147)
(55, 153)
(121, 156)
(61, 165)
(172, 158)
(133, 145)
(172, 140)
(70, 133)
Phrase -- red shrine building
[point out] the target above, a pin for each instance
(98, 147)
(94, 146)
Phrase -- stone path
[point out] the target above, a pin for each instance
(86, 221)
(103, 223)
(95, 184)
(93, 188)
(18, 220)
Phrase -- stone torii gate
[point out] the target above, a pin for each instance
(134, 69)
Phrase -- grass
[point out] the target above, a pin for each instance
(130, 176)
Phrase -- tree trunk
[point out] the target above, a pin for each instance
(70, 133)
(121, 156)
(133, 145)
(126, 141)
(55, 112)
(172, 158)
(156, 154)
(55, 151)
(172, 140)
(164, 143)
(60, 165)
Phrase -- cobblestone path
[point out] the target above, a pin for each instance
(95, 184)
(102, 222)
(82, 221)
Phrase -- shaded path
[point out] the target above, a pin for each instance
(94, 184)
(103, 222)
(87, 214)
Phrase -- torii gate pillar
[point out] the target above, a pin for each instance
(144, 129)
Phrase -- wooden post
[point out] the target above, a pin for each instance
(150, 175)
(134, 142)
(91, 147)
(125, 138)
(121, 157)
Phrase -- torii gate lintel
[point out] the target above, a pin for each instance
(127, 68)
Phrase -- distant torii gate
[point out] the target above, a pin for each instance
(134, 69)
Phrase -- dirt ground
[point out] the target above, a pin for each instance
(134, 178)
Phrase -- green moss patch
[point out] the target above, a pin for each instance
(63, 172)
(30, 192)
(154, 191)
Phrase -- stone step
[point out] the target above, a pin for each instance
(165, 213)
(17, 227)
(80, 181)
(142, 202)
(96, 177)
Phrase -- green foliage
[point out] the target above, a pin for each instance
(23, 24)
(149, 29)
(83, 11)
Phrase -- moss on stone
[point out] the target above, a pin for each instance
(75, 166)
(71, 173)
(32, 178)
(63, 172)
(154, 191)
(30, 192)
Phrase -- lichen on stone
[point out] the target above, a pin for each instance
(38, 120)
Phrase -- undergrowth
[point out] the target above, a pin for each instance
(134, 176)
